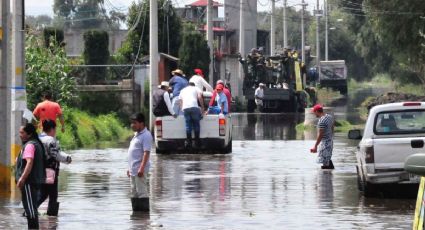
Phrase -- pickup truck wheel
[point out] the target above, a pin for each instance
(369, 190)
(159, 151)
(251, 106)
(360, 184)
(228, 148)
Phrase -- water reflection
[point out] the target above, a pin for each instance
(265, 126)
(273, 182)
(325, 190)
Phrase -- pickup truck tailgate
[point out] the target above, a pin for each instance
(175, 128)
(392, 152)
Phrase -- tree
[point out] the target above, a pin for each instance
(96, 52)
(194, 51)
(38, 22)
(293, 25)
(86, 14)
(398, 26)
(50, 33)
(168, 33)
(47, 70)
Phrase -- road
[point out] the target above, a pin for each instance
(270, 181)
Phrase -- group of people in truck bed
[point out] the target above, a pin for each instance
(181, 96)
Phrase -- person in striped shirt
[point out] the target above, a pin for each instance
(325, 136)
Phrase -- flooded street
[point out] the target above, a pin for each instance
(270, 181)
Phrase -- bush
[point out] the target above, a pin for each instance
(83, 130)
(47, 70)
(96, 52)
(56, 34)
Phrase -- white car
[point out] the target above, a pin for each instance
(392, 133)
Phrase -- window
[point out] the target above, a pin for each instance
(400, 122)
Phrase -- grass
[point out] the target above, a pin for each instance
(84, 131)
(326, 95)
(340, 126)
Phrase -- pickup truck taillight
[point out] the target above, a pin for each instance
(222, 126)
(370, 154)
(158, 126)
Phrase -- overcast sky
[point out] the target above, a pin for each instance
(34, 7)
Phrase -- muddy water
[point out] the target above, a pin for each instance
(269, 181)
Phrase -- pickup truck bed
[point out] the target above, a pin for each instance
(216, 134)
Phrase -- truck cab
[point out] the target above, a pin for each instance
(392, 133)
(333, 74)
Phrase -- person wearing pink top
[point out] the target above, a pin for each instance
(226, 92)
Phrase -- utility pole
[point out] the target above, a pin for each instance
(12, 86)
(272, 30)
(303, 4)
(153, 56)
(317, 36)
(285, 32)
(326, 30)
(5, 100)
(241, 41)
(210, 40)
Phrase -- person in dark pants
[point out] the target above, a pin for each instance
(53, 158)
(191, 98)
(30, 173)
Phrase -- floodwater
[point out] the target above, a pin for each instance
(270, 181)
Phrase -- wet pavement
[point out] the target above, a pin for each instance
(270, 181)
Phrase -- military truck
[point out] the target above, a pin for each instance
(282, 75)
(333, 74)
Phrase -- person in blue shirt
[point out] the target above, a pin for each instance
(177, 82)
(220, 104)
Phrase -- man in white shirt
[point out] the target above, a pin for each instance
(190, 97)
(259, 96)
(199, 81)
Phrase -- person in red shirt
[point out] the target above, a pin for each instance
(226, 92)
(49, 110)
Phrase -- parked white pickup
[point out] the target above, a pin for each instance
(392, 132)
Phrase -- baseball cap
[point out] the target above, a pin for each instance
(316, 107)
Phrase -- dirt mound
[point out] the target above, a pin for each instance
(392, 97)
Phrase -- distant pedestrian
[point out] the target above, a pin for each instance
(162, 102)
(326, 126)
(177, 82)
(199, 81)
(191, 99)
(54, 156)
(48, 109)
(259, 96)
(30, 173)
(226, 92)
(138, 158)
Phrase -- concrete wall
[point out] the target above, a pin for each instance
(232, 13)
(75, 42)
(232, 64)
(131, 93)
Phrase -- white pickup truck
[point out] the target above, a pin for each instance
(216, 133)
(392, 133)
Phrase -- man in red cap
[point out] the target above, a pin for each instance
(226, 92)
(220, 104)
(199, 81)
(326, 126)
